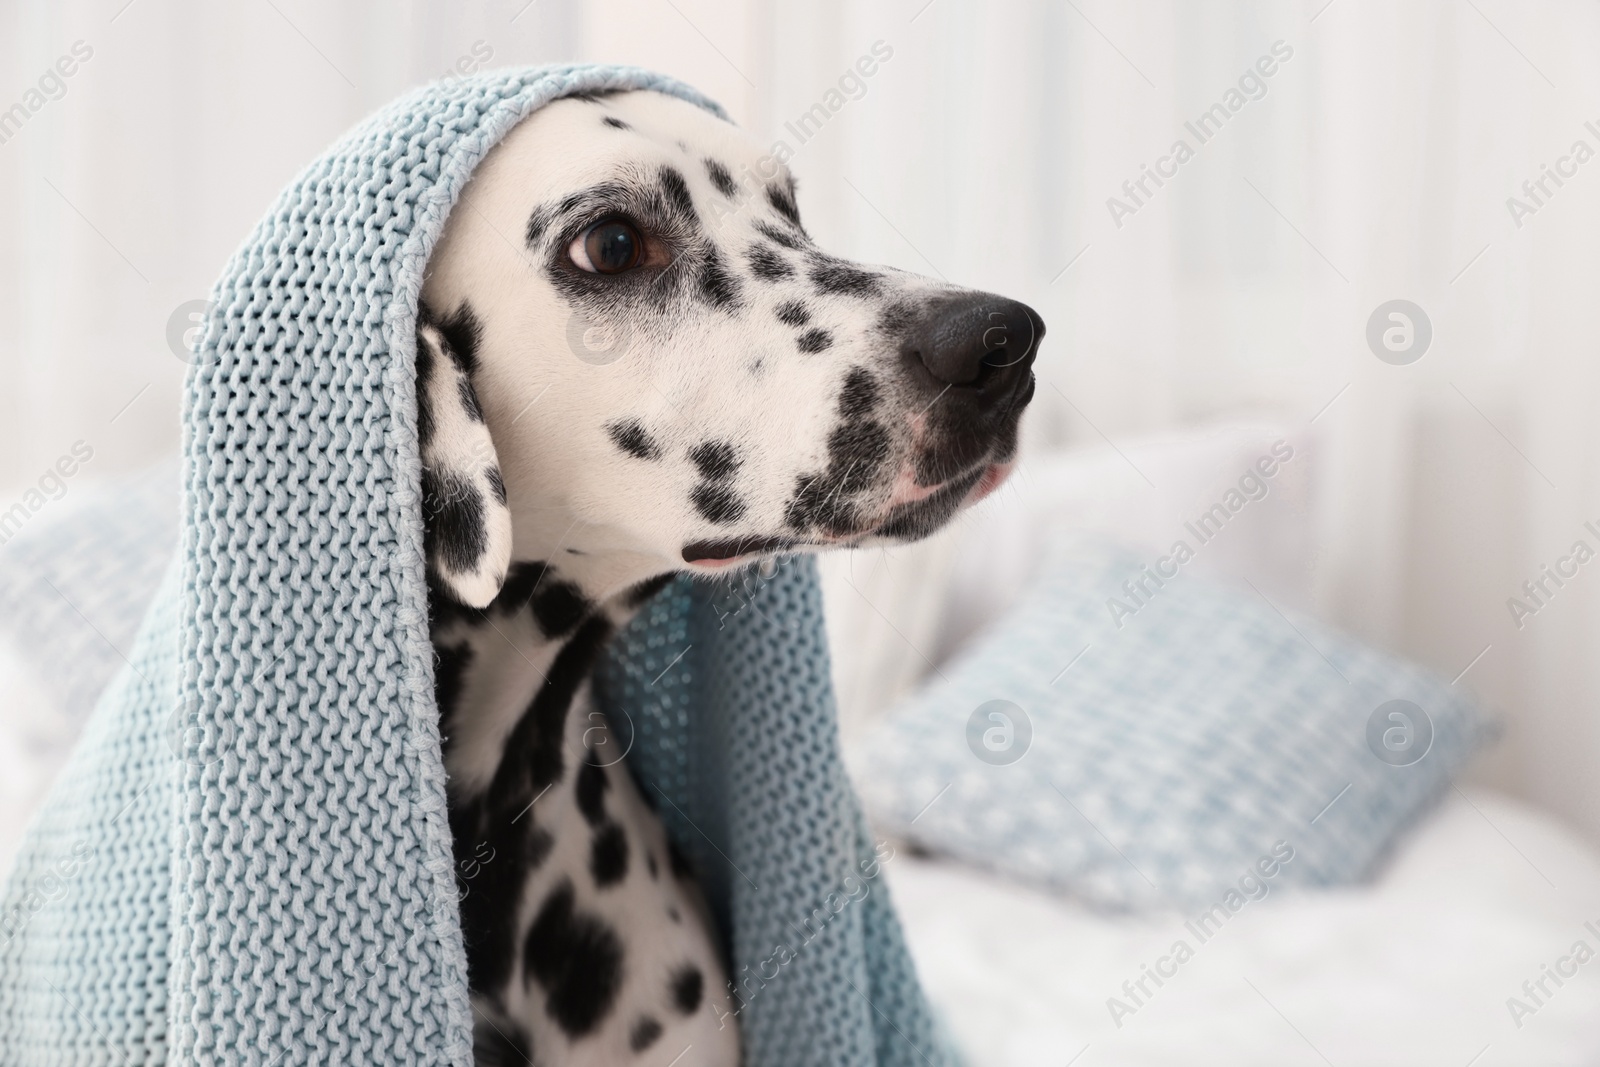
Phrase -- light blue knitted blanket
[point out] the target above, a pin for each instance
(247, 859)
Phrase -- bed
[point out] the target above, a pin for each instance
(1414, 970)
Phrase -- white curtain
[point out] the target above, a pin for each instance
(1373, 164)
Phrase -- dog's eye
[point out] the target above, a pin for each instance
(609, 247)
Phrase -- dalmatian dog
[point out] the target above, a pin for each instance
(632, 362)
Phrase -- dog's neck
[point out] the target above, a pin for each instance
(599, 563)
(539, 640)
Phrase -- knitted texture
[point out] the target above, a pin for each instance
(247, 860)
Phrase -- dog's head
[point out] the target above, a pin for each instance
(630, 349)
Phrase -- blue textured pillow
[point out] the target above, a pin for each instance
(1182, 745)
(76, 580)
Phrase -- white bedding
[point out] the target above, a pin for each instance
(1414, 970)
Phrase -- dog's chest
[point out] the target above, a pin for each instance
(587, 939)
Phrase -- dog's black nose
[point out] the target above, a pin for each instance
(976, 344)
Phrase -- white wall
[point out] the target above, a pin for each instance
(1377, 166)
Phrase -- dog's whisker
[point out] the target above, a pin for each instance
(532, 402)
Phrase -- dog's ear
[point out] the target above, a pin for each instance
(467, 530)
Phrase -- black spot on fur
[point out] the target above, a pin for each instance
(687, 986)
(721, 179)
(538, 733)
(650, 865)
(425, 373)
(835, 277)
(461, 331)
(469, 399)
(814, 341)
(608, 856)
(781, 197)
(645, 590)
(558, 605)
(498, 855)
(897, 317)
(497, 484)
(765, 263)
(538, 845)
(856, 452)
(499, 1042)
(615, 123)
(593, 96)
(716, 460)
(859, 395)
(453, 528)
(517, 589)
(678, 192)
(716, 284)
(717, 503)
(859, 447)
(577, 958)
(448, 676)
(777, 236)
(793, 313)
(630, 436)
(643, 1034)
(681, 867)
(672, 913)
(815, 503)
(591, 793)
(538, 223)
